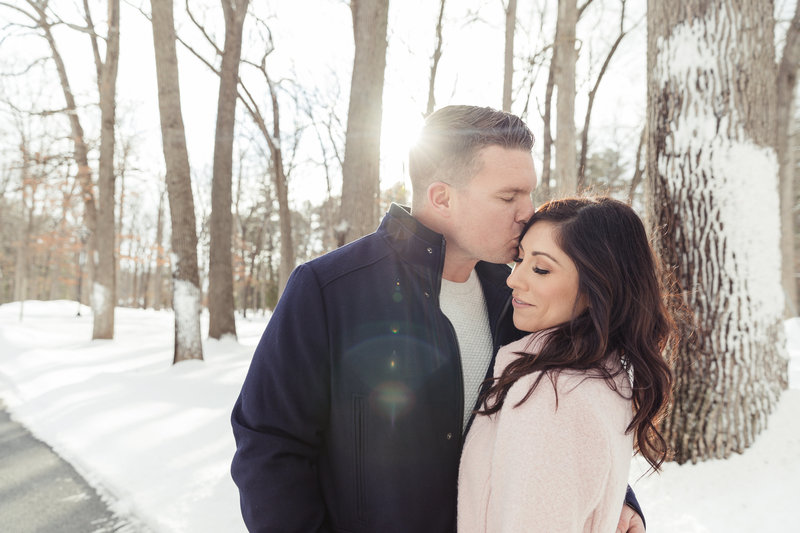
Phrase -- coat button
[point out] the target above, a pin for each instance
(429, 250)
(427, 294)
(449, 436)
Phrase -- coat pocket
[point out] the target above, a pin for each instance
(360, 425)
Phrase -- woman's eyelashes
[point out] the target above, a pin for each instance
(535, 268)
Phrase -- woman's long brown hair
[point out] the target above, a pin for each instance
(626, 315)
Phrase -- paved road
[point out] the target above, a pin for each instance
(42, 493)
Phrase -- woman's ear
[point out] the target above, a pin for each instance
(439, 197)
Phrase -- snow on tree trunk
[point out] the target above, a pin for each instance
(185, 275)
(713, 175)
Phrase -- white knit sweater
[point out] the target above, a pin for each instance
(537, 469)
(464, 305)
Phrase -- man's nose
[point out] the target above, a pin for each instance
(526, 212)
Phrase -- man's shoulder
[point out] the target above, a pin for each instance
(359, 254)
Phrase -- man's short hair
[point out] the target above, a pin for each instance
(451, 139)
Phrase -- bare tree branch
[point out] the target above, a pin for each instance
(98, 62)
(592, 93)
(582, 8)
(202, 30)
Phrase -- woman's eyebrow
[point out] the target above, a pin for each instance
(553, 259)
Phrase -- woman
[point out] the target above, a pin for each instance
(550, 449)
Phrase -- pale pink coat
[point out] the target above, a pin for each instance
(537, 469)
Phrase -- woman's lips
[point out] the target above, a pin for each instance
(516, 302)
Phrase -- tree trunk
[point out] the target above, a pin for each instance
(185, 276)
(360, 172)
(565, 57)
(437, 55)
(508, 56)
(786, 84)
(104, 287)
(159, 268)
(711, 103)
(543, 190)
(220, 266)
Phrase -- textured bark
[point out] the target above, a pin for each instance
(360, 172)
(437, 55)
(786, 84)
(185, 275)
(508, 56)
(711, 130)
(220, 271)
(104, 289)
(565, 57)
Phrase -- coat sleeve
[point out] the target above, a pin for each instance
(551, 467)
(281, 413)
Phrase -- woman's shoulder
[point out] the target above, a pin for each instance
(511, 351)
(586, 393)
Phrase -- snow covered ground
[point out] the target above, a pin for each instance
(155, 438)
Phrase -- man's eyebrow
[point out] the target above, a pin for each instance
(517, 190)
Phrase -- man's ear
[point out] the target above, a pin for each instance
(439, 197)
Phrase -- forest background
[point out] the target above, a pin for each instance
(190, 154)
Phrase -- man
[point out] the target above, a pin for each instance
(354, 409)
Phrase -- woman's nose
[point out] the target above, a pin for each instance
(512, 279)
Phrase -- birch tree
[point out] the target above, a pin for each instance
(360, 173)
(185, 274)
(712, 172)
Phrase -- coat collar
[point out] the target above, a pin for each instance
(414, 242)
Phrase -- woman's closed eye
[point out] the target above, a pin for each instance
(542, 271)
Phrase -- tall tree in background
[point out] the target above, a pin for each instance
(185, 275)
(104, 297)
(437, 55)
(220, 269)
(711, 116)
(565, 56)
(581, 183)
(786, 85)
(38, 15)
(360, 172)
(508, 57)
